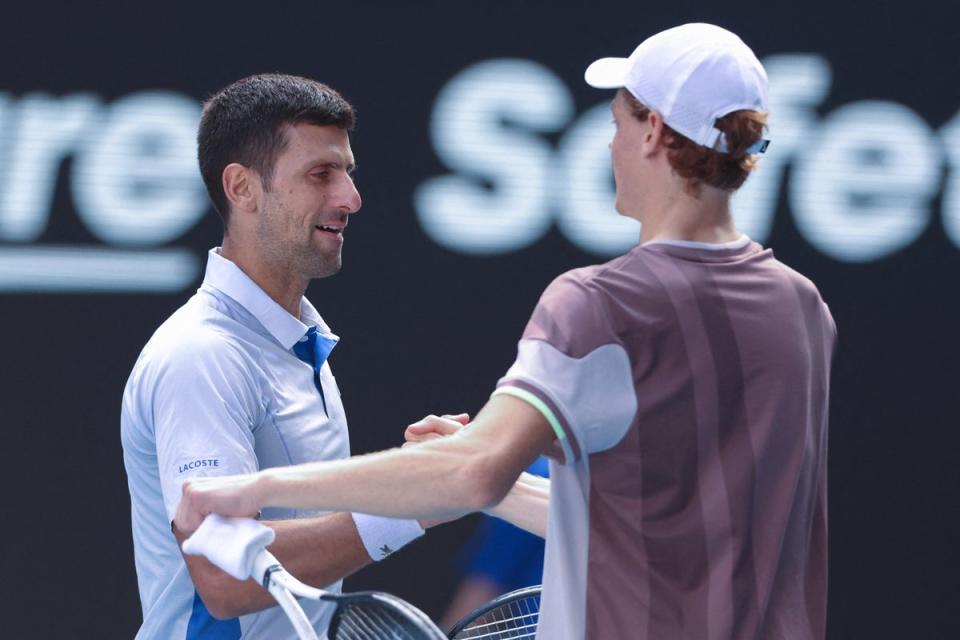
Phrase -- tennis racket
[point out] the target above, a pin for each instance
(512, 615)
(365, 615)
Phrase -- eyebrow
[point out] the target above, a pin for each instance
(328, 164)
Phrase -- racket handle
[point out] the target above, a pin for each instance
(301, 623)
(268, 571)
(263, 565)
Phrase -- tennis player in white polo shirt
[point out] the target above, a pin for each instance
(237, 380)
(682, 389)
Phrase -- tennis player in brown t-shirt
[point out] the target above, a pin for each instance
(681, 389)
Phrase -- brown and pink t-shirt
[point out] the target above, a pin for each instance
(687, 385)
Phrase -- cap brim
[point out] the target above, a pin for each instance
(607, 73)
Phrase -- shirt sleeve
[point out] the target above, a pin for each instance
(572, 367)
(205, 405)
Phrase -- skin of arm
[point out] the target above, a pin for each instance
(526, 505)
(318, 550)
(469, 471)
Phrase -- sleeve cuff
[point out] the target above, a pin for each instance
(570, 453)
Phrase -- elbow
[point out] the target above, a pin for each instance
(224, 613)
(485, 484)
(221, 599)
(218, 606)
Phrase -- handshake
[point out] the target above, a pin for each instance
(243, 496)
(442, 471)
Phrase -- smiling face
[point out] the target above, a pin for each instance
(311, 197)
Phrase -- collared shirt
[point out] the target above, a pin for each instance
(217, 390)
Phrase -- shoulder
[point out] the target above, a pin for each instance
(594, 289)
(576, 311)
(196, 338)
(630, 275)
(804, 286)
(808, 293)
(572, 294)
(579, 285)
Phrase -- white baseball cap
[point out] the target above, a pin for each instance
(691, 75)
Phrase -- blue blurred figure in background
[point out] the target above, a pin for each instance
(498, 558)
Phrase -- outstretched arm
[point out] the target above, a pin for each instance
(469, 471)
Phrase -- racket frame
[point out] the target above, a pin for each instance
(285, 589)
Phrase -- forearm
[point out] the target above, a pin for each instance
(440, 478)
(323, 551)
(317, 550)
(526, 505)
(469, 471)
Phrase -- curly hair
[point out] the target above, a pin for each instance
(699, 165)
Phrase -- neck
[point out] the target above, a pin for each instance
(681, 216)
(278, 281)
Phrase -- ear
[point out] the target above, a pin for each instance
(242, 187)
(654, 137)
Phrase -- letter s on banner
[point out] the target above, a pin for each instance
(484, 127)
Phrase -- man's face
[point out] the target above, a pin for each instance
(627, 159)
(311, 197)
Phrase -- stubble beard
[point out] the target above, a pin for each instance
(324, 265)
(300, 256)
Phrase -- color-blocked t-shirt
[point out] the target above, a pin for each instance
(687, 385)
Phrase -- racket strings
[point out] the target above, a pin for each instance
(527, 631)
(370, 620)
(491, 630)
(498, 635)
(512, 619)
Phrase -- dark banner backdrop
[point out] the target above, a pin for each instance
(482, 167)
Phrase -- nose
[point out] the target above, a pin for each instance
(350, 198)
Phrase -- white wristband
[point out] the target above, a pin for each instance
(382, 536)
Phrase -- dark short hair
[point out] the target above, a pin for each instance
(699, 165)
(246, 123)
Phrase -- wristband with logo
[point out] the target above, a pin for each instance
(382, 536)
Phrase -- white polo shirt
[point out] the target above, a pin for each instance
(218, 391)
